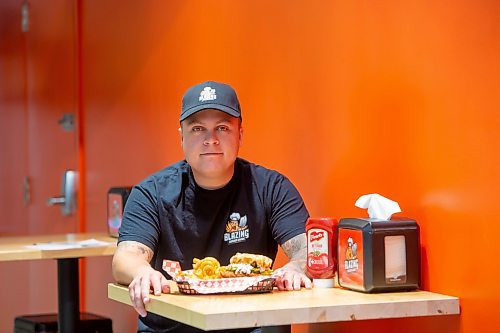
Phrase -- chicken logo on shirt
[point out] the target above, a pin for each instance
(236, 229)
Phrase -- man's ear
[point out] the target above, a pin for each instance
(180, 133)
(241, 135)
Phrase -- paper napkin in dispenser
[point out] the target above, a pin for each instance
(378, 206)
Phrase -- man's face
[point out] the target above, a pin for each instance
(211, 140)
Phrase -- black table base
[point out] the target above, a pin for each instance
(68, 290)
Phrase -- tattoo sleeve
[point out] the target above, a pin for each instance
(137, 248)
(296, 251)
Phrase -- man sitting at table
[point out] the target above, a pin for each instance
(182, 211)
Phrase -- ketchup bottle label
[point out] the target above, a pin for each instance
(321, 235)
(317, 249)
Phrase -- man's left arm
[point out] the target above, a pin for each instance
(292, 275)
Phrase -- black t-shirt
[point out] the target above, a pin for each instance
(168, 212)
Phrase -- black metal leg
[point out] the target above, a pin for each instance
(68, 295)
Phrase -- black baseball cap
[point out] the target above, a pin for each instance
(210, 95)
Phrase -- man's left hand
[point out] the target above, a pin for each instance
(291, 279)
(292, 276)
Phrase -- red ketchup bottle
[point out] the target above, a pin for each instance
(322, 250)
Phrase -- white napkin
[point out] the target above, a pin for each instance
(378, 206)
(67, 245)
(395, 257)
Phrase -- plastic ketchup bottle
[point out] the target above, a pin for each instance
(322, 250)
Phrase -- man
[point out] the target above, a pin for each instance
(210, 204)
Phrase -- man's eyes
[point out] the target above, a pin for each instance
(219, 128)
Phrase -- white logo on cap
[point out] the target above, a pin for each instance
(208, 94)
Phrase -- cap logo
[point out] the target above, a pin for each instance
(207, 94)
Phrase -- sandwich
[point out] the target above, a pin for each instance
(247, 264)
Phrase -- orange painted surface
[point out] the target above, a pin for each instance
(345, 98)
(13, 115)
(38, 82)
(13, 164)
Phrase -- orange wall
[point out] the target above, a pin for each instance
(36, 87)
(345, 98)
(13, 165)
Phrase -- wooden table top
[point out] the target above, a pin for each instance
(15, 248)
(210, 312)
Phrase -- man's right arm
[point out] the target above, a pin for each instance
(128, 259)
(131, 267)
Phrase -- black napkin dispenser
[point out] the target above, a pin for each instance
(117, 197)
(378, 255)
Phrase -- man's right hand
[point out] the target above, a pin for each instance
(146, 281)
(131, 267)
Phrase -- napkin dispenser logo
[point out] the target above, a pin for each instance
(351, 257)
(117, 197)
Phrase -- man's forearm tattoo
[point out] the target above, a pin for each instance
(296, 248)
(138, 248)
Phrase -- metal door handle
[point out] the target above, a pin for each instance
(67, 200)
(56, 201)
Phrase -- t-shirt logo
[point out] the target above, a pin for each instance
(236, 229)
(207, 94)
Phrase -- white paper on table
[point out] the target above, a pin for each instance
(68, 245)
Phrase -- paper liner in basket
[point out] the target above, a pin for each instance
(216, 286)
